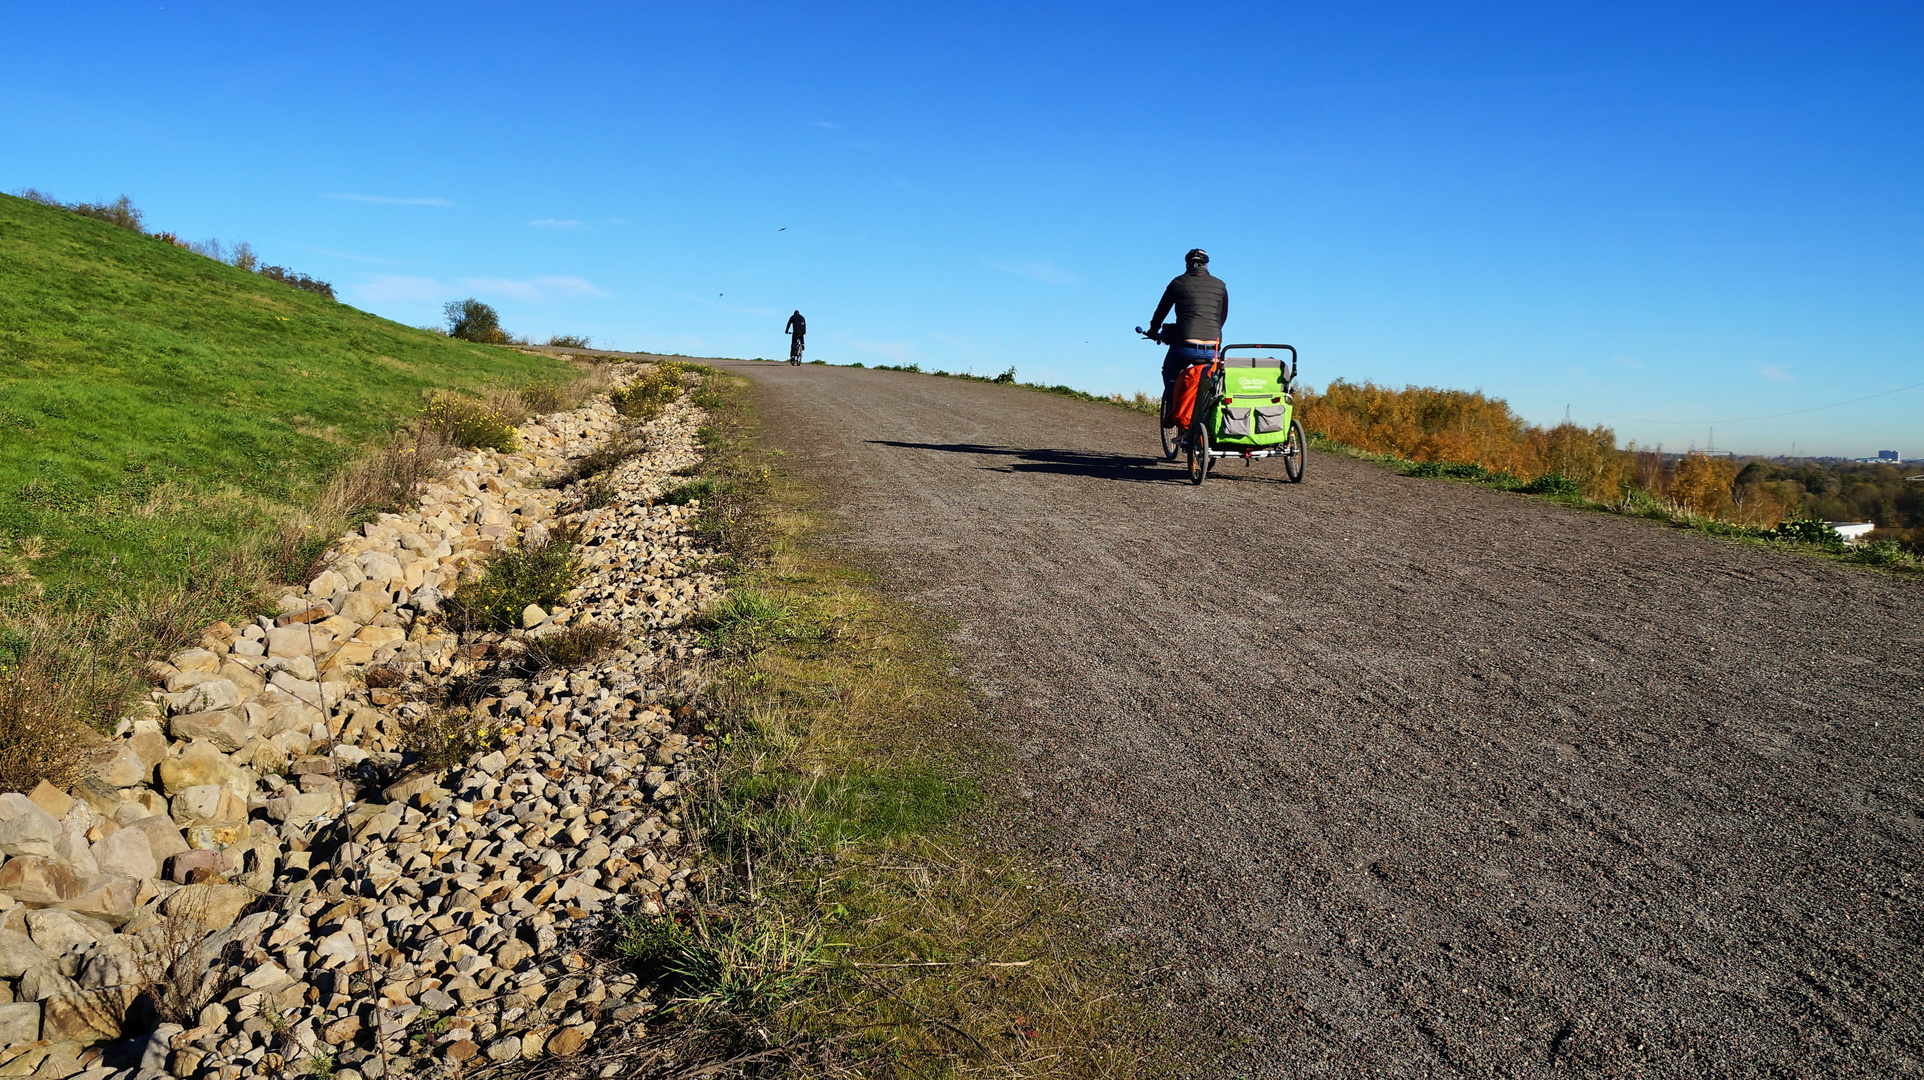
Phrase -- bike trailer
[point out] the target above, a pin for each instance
(1253, 406)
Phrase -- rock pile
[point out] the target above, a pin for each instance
(257, 876)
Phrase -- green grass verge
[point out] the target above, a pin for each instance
(857, 922)
(157, 406)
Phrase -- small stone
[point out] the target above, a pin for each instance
(532, 616)
(343, 1030)
(569, 1040)
(506, 1048)
(458, 1050)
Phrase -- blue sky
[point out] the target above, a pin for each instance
(1662, 216)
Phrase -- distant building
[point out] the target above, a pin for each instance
(1852, 531)
(1887, 455)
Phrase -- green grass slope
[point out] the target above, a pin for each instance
(156, 405)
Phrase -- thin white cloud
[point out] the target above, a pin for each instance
(533, 290)
(1041, 270)
(829, 126)
(1776, 373)
(557, 223)
(897, 351)
(352, 258)
(1629, 362)
(387, 199)
(398, 289)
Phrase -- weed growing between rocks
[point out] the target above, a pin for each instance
(486, 423)
(538, 572)
(644, 398)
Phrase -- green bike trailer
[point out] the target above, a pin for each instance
(1247, 410)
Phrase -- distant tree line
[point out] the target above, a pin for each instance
(124, 214)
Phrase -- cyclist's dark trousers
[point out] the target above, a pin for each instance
(1181, 355)
(795, 346)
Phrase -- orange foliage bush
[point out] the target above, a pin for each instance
(1424, 423)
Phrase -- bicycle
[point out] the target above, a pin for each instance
(1244, 408)
(795, 349)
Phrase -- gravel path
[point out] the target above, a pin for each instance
(1392, 777)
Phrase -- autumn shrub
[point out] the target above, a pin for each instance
(568, 341)
(1700, 484)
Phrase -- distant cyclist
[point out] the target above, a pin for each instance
(1201, 303)
(797, 328)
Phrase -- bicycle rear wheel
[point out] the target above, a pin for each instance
(1199, 458)
(1293, 462)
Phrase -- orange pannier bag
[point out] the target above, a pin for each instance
(1187, 384)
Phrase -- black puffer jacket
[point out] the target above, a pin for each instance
(1201, 302)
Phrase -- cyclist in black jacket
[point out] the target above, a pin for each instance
(796, 329)
(1201, 304)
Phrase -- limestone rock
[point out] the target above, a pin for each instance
(195, 660)
(297, 641)
(126, 853)
(59, 931)
(29, 830)
(201, 763)
(19, 1023)
(362, 607)
(210, 696)
(36, 879)
(109, 899)
(18, 953)
(225, 729)
(90, 1016)
(122, 768)
(164, 839)
(51, 799)
(212, 906)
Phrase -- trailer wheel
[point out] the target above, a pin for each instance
(1295, 449)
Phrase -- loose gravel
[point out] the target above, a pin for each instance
(1384, 776)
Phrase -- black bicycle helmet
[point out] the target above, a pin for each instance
(1196, 255)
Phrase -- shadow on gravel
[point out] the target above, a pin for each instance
(1063, 462)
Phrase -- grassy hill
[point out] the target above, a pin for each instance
(157, 406)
